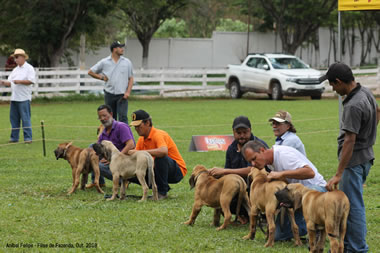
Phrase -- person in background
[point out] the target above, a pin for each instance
(117, 73)
(20, 80)
(285, 131)
(10, 64)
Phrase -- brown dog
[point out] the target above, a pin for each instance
(263, 199)
(323, 211)
(82, 161)
(216, 193)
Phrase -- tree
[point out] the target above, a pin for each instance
(144, 17)
(295, 20)
(45, 27)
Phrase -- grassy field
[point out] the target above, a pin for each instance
(36, 213)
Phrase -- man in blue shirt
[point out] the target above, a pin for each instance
(117, 72)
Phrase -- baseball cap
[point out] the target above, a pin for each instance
(138, 116)
(338, 70)
(116, 44)
(241, 122)
(282, 116)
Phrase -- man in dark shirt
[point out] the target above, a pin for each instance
(357, 136)
(235, 162)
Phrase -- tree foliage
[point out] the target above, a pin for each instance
(294, 20)
(44, 28)
(144, 17)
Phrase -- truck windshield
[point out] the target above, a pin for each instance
(287, 63)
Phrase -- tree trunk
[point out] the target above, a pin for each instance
(145, 46)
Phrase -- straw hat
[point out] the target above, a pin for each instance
(20, 51)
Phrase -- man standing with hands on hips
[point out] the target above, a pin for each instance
(117, 72)
(21, 80)
(357, 136)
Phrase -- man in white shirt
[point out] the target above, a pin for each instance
(20, 81)
(290, 164)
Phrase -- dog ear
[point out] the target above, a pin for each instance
(68, 145)
(192, 182)
(297, 195)
(107, 154)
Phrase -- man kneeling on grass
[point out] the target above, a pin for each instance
(116, 132)
(169, 167)
(235, 161)
(290, 164)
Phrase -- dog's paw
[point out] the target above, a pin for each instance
(250, 236)
(268, 244)
(188, 222)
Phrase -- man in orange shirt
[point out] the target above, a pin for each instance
(169, 166)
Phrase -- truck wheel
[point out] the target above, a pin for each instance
(317, 97)
(276, 91)
(235, 91)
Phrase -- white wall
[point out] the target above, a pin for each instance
(222, 49)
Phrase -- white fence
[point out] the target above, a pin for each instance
(57, 81)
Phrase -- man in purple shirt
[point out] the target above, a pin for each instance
(119, 134)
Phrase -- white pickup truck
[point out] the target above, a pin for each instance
(274, 74)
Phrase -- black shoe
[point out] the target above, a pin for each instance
(108, 196)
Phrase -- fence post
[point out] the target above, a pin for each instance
(78, 82)
(204, 78)
(162, 82)
(35, 92)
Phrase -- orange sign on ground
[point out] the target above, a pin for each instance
(210, 142)
(356, 5)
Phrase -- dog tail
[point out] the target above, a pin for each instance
(151, 179)
(150, 169)
(242, 197)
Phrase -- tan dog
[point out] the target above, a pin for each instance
(128, 166)
(263, 199)
(82, 161)
(99, 132)
(216, 193)
(324, 211)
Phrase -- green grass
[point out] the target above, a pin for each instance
(35, 208)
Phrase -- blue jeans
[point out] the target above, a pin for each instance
(286, 233)
(351, 184)
(119, 106)
(20, 111)
(166, 171)
(104, 173)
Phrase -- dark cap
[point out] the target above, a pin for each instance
(339, 71)
(138, 117)
(241, 122)
(116, 44)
